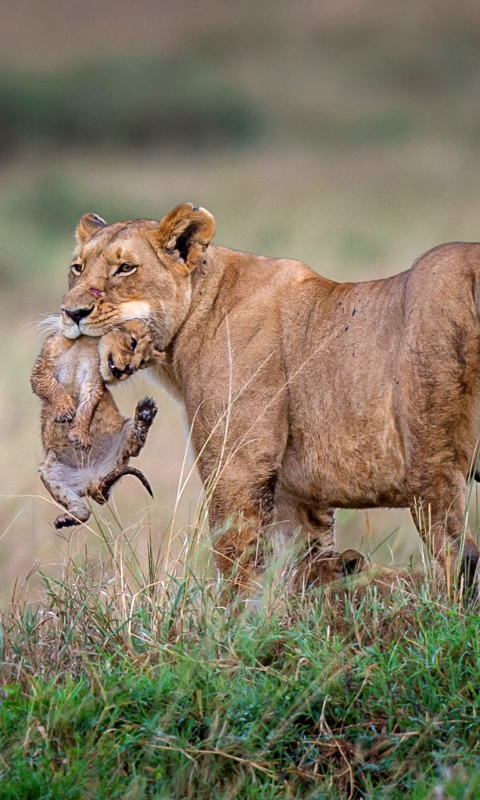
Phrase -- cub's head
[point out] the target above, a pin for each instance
(139, 269)
(126, 349)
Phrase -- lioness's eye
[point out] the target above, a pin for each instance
(133, 343)
(76, 269)
(125, 269)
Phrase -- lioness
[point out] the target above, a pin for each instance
(303, 395)
(87, 442)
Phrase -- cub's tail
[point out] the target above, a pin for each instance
(101, 493)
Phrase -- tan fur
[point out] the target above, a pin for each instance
(87, 442)
(303, 395)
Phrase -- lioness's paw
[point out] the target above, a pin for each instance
(79, 439)
(146, 410)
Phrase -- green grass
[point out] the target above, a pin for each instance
(111, 690)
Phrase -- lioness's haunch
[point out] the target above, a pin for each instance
(87, 442)
(303, 395)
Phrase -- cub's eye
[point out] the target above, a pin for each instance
(125, 269)
(77, 269)
(133, 343)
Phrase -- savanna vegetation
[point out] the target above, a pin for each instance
(149, 686)
(343, 134)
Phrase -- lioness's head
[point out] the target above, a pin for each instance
(138, 269)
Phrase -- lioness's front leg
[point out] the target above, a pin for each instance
(238, 549)
(240, 537)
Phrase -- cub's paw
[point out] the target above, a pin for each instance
(65, 521)
(146, 411)
(65, 413)
(79, 439)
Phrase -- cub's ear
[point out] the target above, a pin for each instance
(159, 357)
(185, 232)
(88, 226)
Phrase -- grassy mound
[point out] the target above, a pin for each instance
(142, 688)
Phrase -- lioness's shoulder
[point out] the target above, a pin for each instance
(257, 269)
(450, 255)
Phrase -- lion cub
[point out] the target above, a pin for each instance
(86, 440)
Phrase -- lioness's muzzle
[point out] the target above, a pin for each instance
(77, 313)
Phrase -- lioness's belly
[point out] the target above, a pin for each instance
(345, 449)
(356, 464)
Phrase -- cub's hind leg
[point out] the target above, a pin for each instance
(145, 413)
(57, 479)
(133, 438)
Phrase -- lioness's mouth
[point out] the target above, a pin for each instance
(69, 328)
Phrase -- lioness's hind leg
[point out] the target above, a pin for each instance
(439, 514)
(61, 489)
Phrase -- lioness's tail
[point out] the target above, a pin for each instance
(101, 493)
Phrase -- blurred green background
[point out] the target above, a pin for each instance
(345, 133)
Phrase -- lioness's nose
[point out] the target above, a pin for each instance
(78, 313)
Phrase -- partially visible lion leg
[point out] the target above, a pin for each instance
(52, 473)
(239, 540)
(439, 514)
(319, 560)
(239, 552)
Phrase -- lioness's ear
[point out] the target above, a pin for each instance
(187, 231)
(88, 227)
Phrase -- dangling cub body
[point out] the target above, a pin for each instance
(86, 440)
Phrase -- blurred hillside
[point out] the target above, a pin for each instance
(345, 134)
